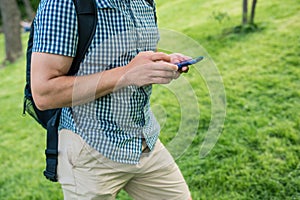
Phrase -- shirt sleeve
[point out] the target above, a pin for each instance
(55, 28)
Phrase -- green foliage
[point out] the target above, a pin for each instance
(34, 5)
(258, 153)
(220, 16)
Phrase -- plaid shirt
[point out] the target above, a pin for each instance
(116, 123)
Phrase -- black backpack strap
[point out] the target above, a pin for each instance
(52, 147)
(87, 21)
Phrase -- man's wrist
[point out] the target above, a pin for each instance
(123, 80)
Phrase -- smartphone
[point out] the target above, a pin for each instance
(189, 62)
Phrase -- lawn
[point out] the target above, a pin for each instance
(257, 154)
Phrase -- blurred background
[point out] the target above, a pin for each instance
(256, 48)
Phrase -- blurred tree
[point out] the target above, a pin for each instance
(11, 18)
(253, 11)
(29, 11)
(245, 12)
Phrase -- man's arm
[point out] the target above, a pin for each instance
(52, 88)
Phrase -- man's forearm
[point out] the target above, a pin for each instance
(51, 88)
(66, 91)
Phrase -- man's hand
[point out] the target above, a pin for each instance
(178, 57)
(150, 68)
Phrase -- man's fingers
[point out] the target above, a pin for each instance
(178, 57)
(160, 56)
(184, 70)
(164, 66)
(165, 74)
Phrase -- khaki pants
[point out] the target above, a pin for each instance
(86, 174)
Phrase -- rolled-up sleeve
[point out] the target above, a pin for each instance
(55, 28)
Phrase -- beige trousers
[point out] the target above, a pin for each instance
(86, 174)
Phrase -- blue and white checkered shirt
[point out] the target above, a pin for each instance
(116, 123)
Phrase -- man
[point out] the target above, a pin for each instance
(108, 137)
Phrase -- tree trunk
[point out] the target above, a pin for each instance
(245, 12)
(11, 27)
(29, 10)
(253, 11)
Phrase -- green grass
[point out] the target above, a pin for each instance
(258, 153)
